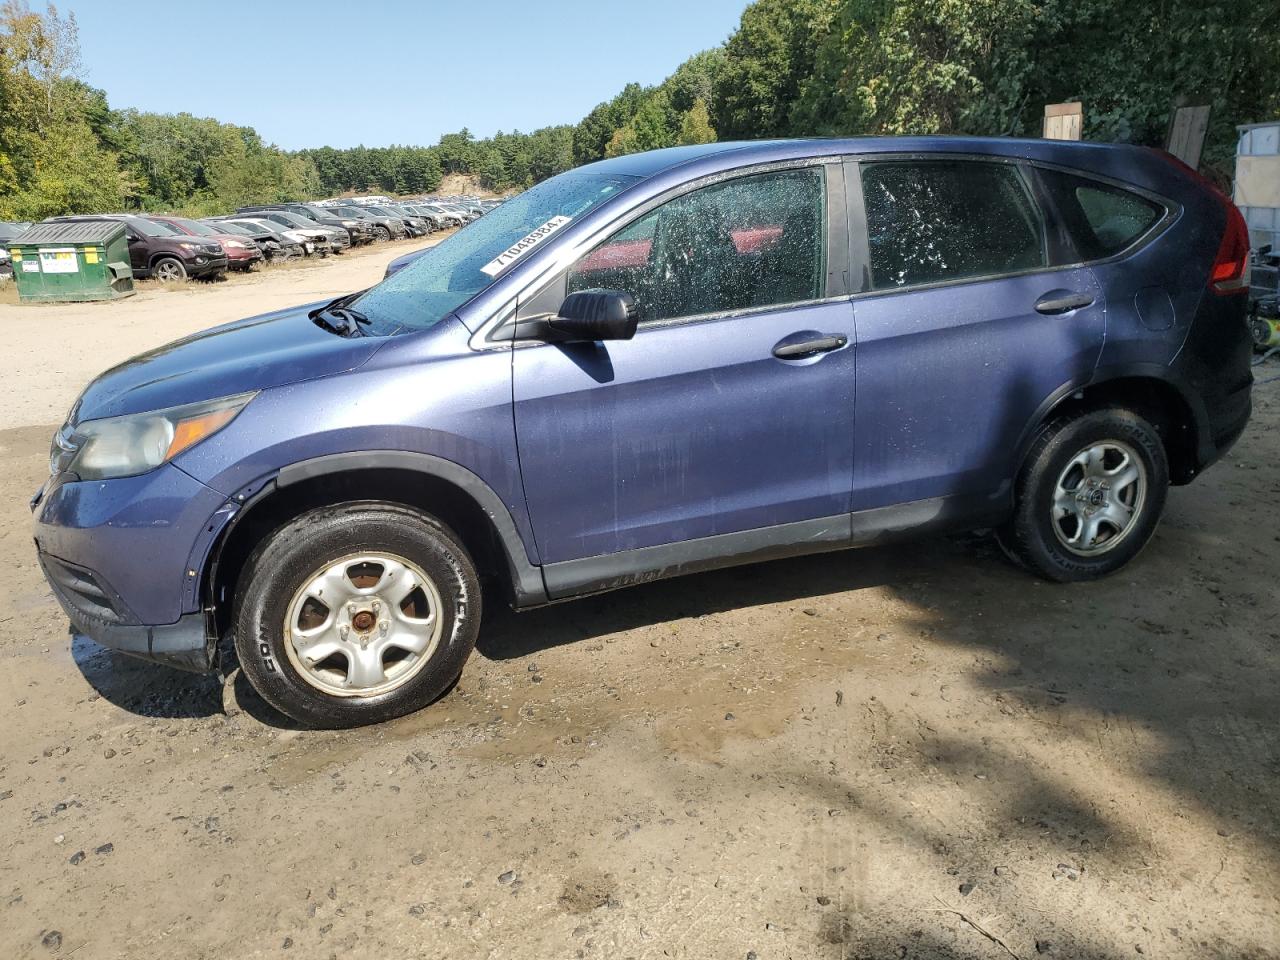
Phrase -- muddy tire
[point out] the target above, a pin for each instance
(1089, 496)
(356, 614)
(384, 233)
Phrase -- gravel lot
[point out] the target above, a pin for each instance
(916, 751)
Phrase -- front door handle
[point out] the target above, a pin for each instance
(809, 348)
(1062, 301)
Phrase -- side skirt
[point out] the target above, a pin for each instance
(576, 578)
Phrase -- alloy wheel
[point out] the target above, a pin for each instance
(170, 271)
(1099, 497)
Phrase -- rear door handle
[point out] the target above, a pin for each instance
(808, 348)
(1062, 301)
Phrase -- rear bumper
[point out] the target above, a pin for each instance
(1226, 422)
(1215, 368)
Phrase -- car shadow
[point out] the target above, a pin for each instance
(143, 688)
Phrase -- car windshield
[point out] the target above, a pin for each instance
(226, 226)
(351, 212)
(451, 273)
(262, 226)
(294, 219)
(195, 227)
(152, 228)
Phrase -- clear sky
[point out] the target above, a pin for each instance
(306, 73)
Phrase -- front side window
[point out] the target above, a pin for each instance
(931, 221)
(756, 241)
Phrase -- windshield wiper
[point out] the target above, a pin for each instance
(349, 321)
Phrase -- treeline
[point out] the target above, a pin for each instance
(868, 67)
(791, 68)
(988, 67)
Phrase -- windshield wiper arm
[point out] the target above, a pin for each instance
(350, 320)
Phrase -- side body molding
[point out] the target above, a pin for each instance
(526, 579)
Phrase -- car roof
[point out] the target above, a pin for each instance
(711, 157)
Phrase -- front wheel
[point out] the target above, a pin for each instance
(169, 270)
(384, 233)
(1089, 496)
(356, 614)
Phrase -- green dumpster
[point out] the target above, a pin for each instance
(72, 261)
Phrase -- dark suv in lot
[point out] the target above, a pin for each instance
(384, 227)
(161, 251)
(651, 366)
(359, 231)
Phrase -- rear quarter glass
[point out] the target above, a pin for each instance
(1101, 219)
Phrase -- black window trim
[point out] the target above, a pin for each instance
(860, 263)
(550, 285)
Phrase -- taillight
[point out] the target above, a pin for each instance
(1230, 273)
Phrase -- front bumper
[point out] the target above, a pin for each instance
(246, 257)
(203, 265)
(188, 644)
(119, 556)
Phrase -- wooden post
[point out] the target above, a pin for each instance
(1187, 128)
(1062, 121)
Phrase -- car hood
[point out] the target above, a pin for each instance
(254, 354)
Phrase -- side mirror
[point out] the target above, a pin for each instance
(591, 315)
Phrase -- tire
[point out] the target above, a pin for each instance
(1077, 515)
(384, 233)
(169, 270)
(352, 677)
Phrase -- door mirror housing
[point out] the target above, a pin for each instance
(590, 315)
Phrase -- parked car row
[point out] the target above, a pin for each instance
(172, 248)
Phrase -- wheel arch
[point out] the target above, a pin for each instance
(1149, 391)
(441, 488)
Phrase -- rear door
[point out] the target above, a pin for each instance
(964, 327)
(714, 419)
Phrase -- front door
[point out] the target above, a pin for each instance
(730, 410)
(139, 251)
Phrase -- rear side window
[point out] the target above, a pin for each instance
(756, 241)
(1102, 220)
(931, 221)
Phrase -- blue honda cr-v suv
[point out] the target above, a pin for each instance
(651, 366)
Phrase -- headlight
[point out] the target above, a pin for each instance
(234, 245)
(130, 445)
(185, 245)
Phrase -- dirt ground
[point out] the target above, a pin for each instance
(915, 751)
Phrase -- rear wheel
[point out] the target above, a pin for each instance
(1089, 497)
(356, 614)
(169, 270)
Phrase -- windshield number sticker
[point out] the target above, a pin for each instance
(514, 253)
